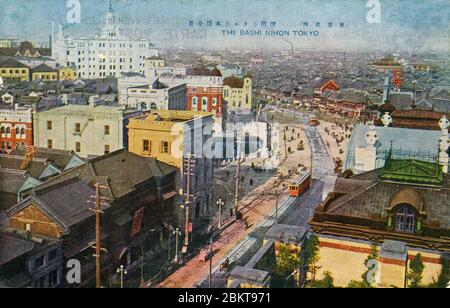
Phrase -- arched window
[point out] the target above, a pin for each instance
(8, 130)
(405, 219)
(153, 106)
(205, 104)
(22, 131)
(194, 103)
(142, 106)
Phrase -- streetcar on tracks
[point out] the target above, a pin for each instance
(300, 185)
(313, 121)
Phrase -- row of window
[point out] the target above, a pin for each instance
(164, 147)
(9, 146)
(204, 103)
(106, 128)
(107, 147)
(15, 71)
(7, 130)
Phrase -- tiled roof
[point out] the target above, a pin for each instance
(374, 198)
(234, 82)
(12, 63)
(44, 68)
(65, 201)
(120, 171)
(12, 246)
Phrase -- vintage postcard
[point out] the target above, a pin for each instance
(206, 144)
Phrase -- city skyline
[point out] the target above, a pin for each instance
(403, 25)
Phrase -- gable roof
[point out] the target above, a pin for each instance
(44, 68)
(65, 202)
(12, 63)
(120, 171)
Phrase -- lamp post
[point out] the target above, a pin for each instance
(177, 235)
(220, 203)
(122, 271)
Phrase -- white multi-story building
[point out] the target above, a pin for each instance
(155, 95)
(108, 54)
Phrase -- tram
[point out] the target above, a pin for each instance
(302, 184)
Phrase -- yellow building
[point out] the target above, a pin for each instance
(161, 134)
(169, 136)
(68, 73)
(12, 69)
(154, 62)
(237, 93)
(44, 72)
(396, 210)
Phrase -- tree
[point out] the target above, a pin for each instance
(311, 254)
(444, 276)
(288, 261)
(371, 264)
(326, 283)
(416, 270)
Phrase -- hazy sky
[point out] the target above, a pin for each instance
(404, 24)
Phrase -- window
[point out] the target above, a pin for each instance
(49, 144)
(77, 127)
(106, 130)
(38, 262)
(22, 131)
(405, 219)
(205, 104)
(52, 254)
(53, 278)
(17, 131)
(214, 101)
(77, 147)
(107, 149)
(194, 103)
(146, 146)
(165, 148)
(49, 125)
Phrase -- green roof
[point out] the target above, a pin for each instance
(413, 171)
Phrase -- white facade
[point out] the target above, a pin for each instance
(108, 54)
(155, 96)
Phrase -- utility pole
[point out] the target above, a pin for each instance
(98, 249)
(220, 203)
(188, 173)
(210, 261)
(177, 234)
(285, 144)
(238, 179)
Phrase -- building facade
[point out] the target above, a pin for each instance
(170, 136)
(16, 127)
(88, 130)
(155, 95)
(12, 69)
(44, 72)
(109, 54)
(238, 93)
(397, 211)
